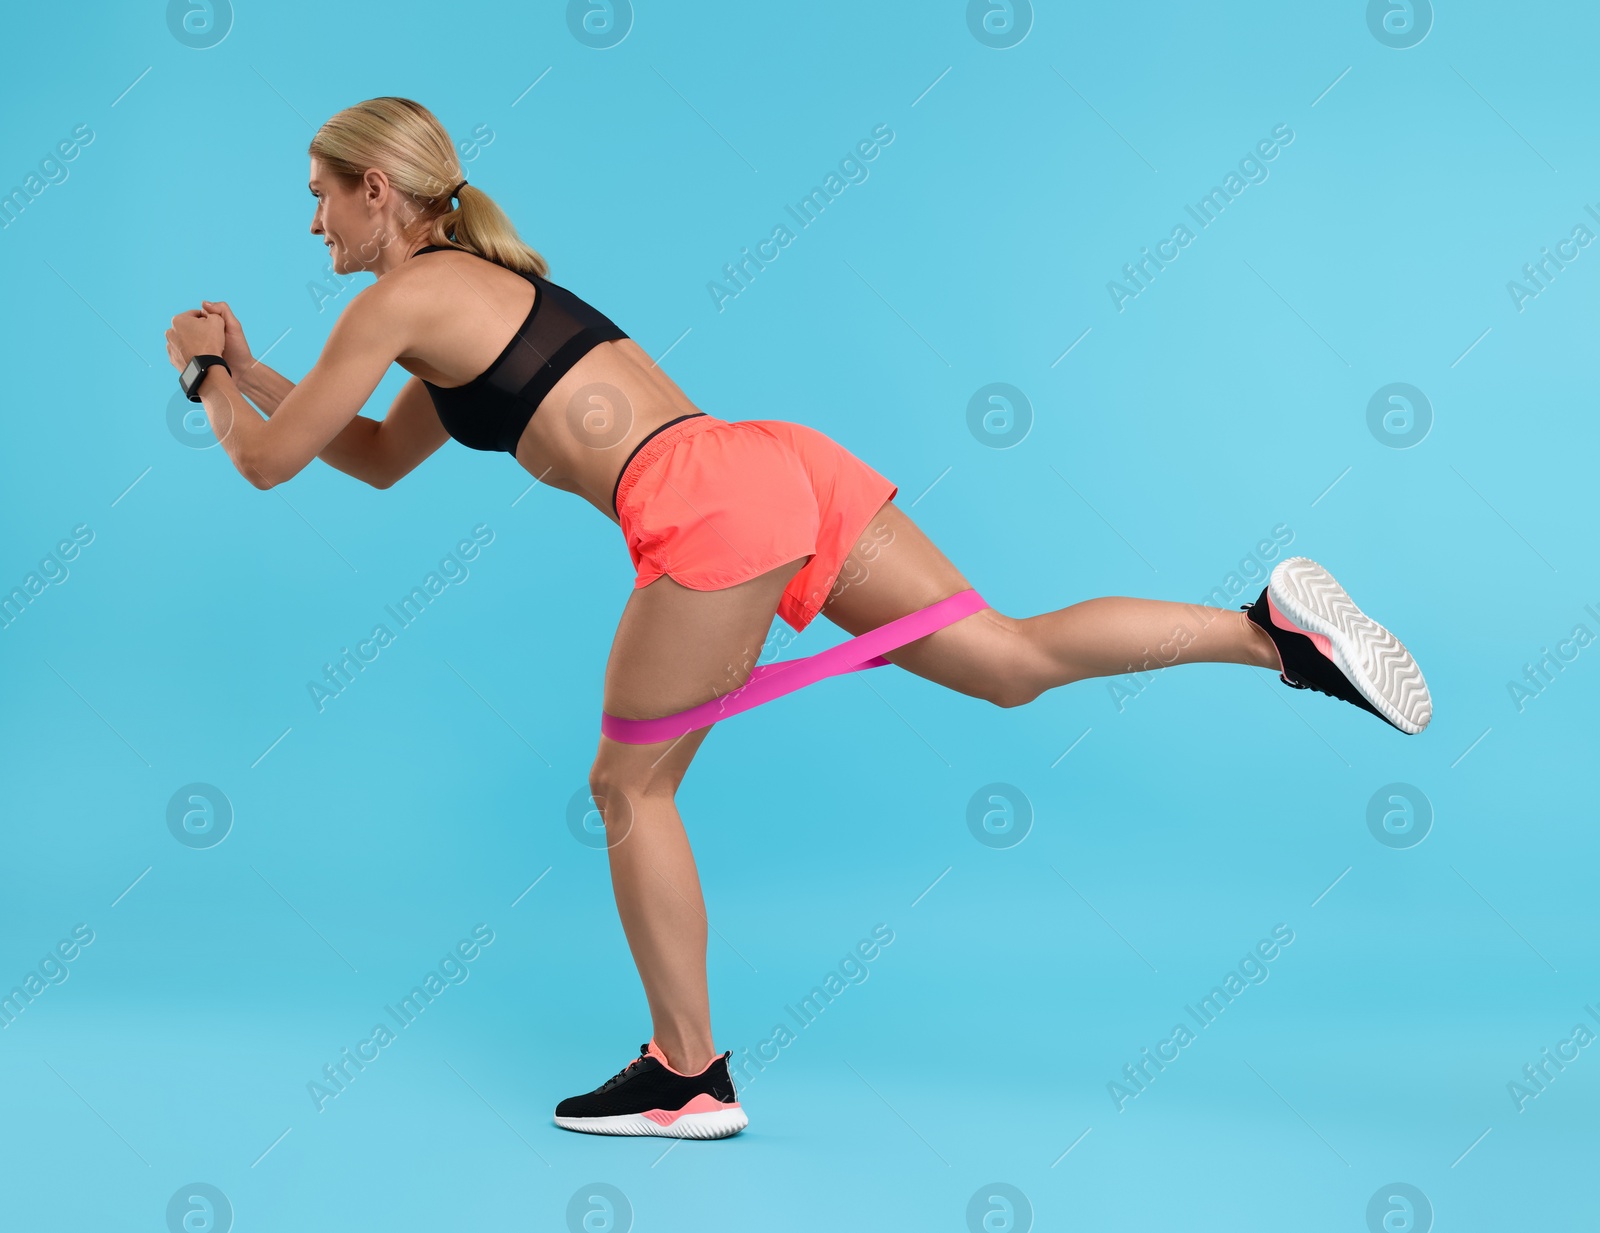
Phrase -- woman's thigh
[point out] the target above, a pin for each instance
(675, 648)
(895, 569)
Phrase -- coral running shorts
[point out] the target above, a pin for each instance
(713, 502)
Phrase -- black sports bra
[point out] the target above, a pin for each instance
(490, 411)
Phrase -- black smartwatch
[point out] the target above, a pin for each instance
(194, 372)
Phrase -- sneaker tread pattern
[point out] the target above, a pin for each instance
(1376, 662)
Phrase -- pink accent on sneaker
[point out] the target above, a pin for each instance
(1320, 641)
(703, 1103)
(654, 1050)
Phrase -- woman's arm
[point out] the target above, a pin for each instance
(352, 451)
(396, 445)
(377, 452)
(307, 418)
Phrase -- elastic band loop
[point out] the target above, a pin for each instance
(769, 681)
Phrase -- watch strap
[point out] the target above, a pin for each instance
(199, 364)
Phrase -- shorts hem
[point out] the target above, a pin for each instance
(744, 575)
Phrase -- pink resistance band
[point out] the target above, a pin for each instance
(769, 681)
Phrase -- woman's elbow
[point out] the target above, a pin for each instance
(380, 473)
(386, 472)
(257, 477)
(264, 472)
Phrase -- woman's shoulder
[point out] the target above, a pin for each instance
(411, 287)
(434, 267)
(470, 256)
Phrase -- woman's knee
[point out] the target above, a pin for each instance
(1021, 672)
(1002, 663)
(618, 798)
(1014, 693)
(623, 773)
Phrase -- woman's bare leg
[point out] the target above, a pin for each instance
(895, 569)
(675, 648)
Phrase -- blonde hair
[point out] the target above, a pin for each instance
(405, 141)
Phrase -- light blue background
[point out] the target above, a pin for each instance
(1229, 397)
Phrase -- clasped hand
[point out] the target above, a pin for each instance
(211, 329)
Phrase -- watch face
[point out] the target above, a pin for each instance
(191, 374)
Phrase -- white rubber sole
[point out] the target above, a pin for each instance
(1376, 662)
(717, 1125)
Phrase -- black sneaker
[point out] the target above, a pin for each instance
(1327, 644)
(648, 1097)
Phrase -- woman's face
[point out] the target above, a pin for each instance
(346, 221)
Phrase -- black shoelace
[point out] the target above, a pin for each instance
(644, 1052)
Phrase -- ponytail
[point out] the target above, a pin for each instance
(480, 226)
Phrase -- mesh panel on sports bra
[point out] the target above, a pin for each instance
(558, 334)
(491, 411)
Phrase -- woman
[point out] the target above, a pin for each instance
(726, 522)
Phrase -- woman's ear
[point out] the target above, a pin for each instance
(375, 187)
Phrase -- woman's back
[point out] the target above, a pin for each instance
(500, 345)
